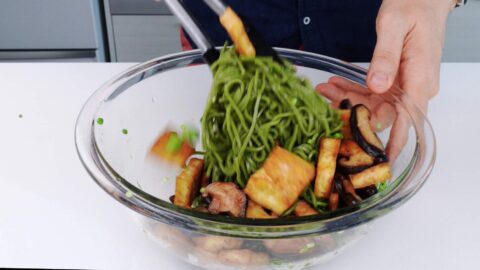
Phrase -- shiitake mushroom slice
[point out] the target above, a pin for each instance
(346, 191)
(345, 104)
(367, 192)
(363, 134)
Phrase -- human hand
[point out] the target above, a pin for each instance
(410, 35)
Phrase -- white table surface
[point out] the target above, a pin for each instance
(52, 215)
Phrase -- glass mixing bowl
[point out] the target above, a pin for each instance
(140, 103)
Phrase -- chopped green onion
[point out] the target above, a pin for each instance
(174, 143)
(379, 126)
(189, 134)
(290, 210)
(277, 261)
(202, 190)
(125, 131)
(338, 135)
(197, 201)
(381, 186)
(308, 247)
(100, 121)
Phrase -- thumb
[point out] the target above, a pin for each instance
(386, 56)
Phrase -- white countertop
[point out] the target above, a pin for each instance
(52, 215)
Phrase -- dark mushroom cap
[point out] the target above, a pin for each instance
(226, 197)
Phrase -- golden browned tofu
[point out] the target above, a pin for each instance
(345, 117)
(352, 157)
(187, 183)
(304, 209)
(373, 175)
(214, 243)
(243, 257)
(255, 210)
(175, 156)
(279, 182)
(290, 246)
(236, 30)
(326, 165)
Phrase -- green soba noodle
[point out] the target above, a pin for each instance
(255, 104)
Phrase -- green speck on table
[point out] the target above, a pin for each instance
(125, 131)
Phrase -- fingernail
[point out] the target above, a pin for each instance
(379, 81)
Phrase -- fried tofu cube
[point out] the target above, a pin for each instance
(304, 209)
(187, 183)
(243, 257)
(279, 182)
(352, 157)
(213, 243)
(373, 175)
(345, 117)
(174, 156)
(255, 210)
(326, 165)
(333, 200)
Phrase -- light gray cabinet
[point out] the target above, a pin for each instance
(141, 37)
(49, 30)
(462, 43)
(140, 30)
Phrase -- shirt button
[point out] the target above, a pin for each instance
(306, 20)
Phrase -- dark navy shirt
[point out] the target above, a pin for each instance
(343, 29)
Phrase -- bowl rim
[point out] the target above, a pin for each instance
(126, 193)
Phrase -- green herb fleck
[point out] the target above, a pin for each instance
(277, 261)
(308, 247)
(202, 190)
(289, 210)
(129, 194)
(338, 135)
(197, 201)
(125, 131)
(174, 143)
(381, 186)
(100, 121)
(189, 134)
(379, 126)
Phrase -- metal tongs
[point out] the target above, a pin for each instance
(247, 40)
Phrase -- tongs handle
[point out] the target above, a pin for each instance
(218, 6)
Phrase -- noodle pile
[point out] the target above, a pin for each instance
(255, 104)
